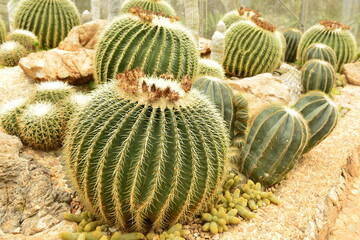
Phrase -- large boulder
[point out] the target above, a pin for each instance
(352, 73)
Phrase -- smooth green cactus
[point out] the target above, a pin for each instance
(336, 35)
(10, 53)
(25, 38)
(242, 14)
(282, 39)
(9, 114)
(321, 115)
(292, 37)
(2, 31)
(149, 5)
(251, 48)
(320, 51)
(52, 91)
(41, 126)
(276, 140)
(158, 151)
(216, 221)
(207, 67)
(156, 44)
(174, 233)
(317, 75)
(49, 20)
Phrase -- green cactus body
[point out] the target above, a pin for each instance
(149, 5)
(333, 34)
(321, 114)
(11, 52)
(41, 126)
(241, 116)
(158, 151)
(283, 44)
(207, 67)
(52, 91)
(49, 20)
(2, 31)
(25, 38)
(242, 14)
(292, 37)
(251, 48)
(321, 52)
(221, 95)
(156, 44)
(275, 141)
(317, 75)
(9, 114)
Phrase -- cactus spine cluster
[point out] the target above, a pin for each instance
(334, 34)
(49, 20)
(158, 151)
(275, 141)
(2, 31)
(317, 75)
(9, 114)
(153, 42)
(320, 51)
(24, 37)
(251, 48)
(292, 37)
(242, 14)
(149, 5)
(207, 67)
(321, 115)
(10, 53)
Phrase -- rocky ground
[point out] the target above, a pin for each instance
(34, 193)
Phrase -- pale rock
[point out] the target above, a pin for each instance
(352, 73)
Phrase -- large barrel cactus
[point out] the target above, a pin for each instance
(149, 5)
(2, 31)
(49, 20)
(317, 75)
(157, 44)
(321, 115)
(292, 37)
(251, 48)
(146, 152)
(275, 141)
(320, 51)
(334, 34)
(239, 15)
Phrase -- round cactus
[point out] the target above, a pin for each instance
(318, 75)
(149, 5)
(275, 141)
(25, 38)
(11, 52)
(239, 15)
(292, 37)
(49, 20)
(321, 115)
(207, 67)
(251, 48)
(157, 44)
(74, 101)
(2, 31)
(52, 91)
(283, 44)
(320, 51)
(41, 126)
(334, 34)
(157, 148)
(9, 114)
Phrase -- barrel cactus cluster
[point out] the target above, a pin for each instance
(292, 37)
(149, 5)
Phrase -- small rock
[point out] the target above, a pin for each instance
(352, 73)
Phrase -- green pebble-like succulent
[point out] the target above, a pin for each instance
(174, 233)
(52, 91)
(320, 51)
(317, 75)
(49, 20)
(156, 44)
(207, 67)
(11, 52)
(292, 37)
(9, 114)
(24, 37)
(242, 14)
(149, 5)
(158, 151)
(2, 31)
(216, 221)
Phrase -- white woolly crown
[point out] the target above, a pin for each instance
(56, 85)
(40, 109)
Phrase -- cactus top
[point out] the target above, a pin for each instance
(9, 46)
(25, 32)
(333, 25)
(248, 12)
(40, 109)
(157, 18)
(262, 23)
(56, 85)
(11, 105)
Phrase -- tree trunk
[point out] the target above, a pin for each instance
(114, 8)
(4, 13)
(95, 9)
(192, 17)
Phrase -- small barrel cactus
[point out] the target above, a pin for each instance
(41, 126)
(2, 31)
(25, 38)
(11, 52)
(9, 114)
(334, 34)
(275, 141)
(49, 20)
(155, 43)
(317, 75)
(52, 91)
(321, 115)
(251, 48)
(320, 51)
(292, 37)
(239, 15)
(149, 5)
(158, 151)
(207, 67)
